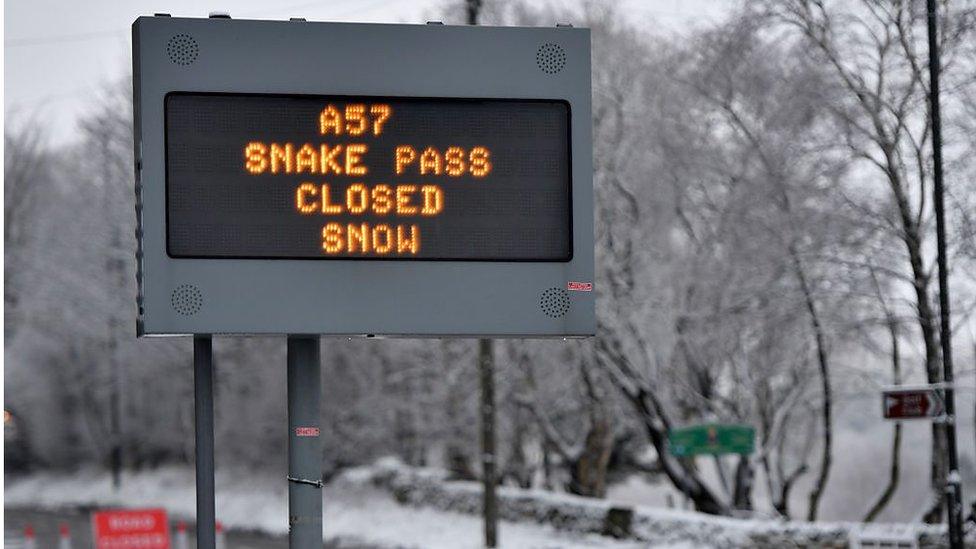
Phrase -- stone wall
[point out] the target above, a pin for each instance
(430, 488)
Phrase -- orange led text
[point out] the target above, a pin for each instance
(453, 161)
(358, 198)
(364, 238)
(354, 119)
(287, 158)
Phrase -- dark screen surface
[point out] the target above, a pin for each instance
(318, 177)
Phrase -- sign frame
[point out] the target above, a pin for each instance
(352, 297)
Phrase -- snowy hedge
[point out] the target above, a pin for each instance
(430, 488)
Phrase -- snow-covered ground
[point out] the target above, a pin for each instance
(259, 502)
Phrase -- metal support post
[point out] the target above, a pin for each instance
(203, 412)
(304, 443)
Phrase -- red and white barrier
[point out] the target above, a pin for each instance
(30, 541)
(181, 541)
(221, 538)
(64, 536)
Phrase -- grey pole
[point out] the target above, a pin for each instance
(204, 431)
(486, 366)
(954, 481)
(304, 444)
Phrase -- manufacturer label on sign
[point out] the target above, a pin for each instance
(306, 431)
(579, 286)
(925, 402)
(131, 528)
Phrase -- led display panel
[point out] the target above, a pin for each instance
(344, 177)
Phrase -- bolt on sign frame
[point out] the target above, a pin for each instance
(244, 230)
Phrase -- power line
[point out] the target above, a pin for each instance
(59, 39)
(85, 36)
(358, 7)
(283, 8)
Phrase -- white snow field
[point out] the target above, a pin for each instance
(364, 505)
(257, 502)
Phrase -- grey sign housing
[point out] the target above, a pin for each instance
(351, 296)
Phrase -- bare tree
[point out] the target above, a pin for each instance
(587, 457)
(27, 174)
(775, 140)
(892, 324)
(874, 56)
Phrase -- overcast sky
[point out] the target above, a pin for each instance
(57, 53)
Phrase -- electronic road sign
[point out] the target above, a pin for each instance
(362, 179)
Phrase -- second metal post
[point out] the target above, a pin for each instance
(304, 444)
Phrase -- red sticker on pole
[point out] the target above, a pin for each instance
(131, 528)
(579, 286)
(306, 431)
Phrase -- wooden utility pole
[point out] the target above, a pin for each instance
(486, 367)
(117, 267)
(115, 271)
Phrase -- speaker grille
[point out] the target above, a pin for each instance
(554, 302)
(186, 299)
(182, 49)
(551, 58)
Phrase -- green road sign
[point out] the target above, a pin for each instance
(712, 439)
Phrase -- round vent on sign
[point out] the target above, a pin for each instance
(554, 302)
(186, 299)
(182, 49)
(551, 58)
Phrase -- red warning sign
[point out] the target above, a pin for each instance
(131, 529)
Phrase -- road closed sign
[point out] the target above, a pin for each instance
(131, 529)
